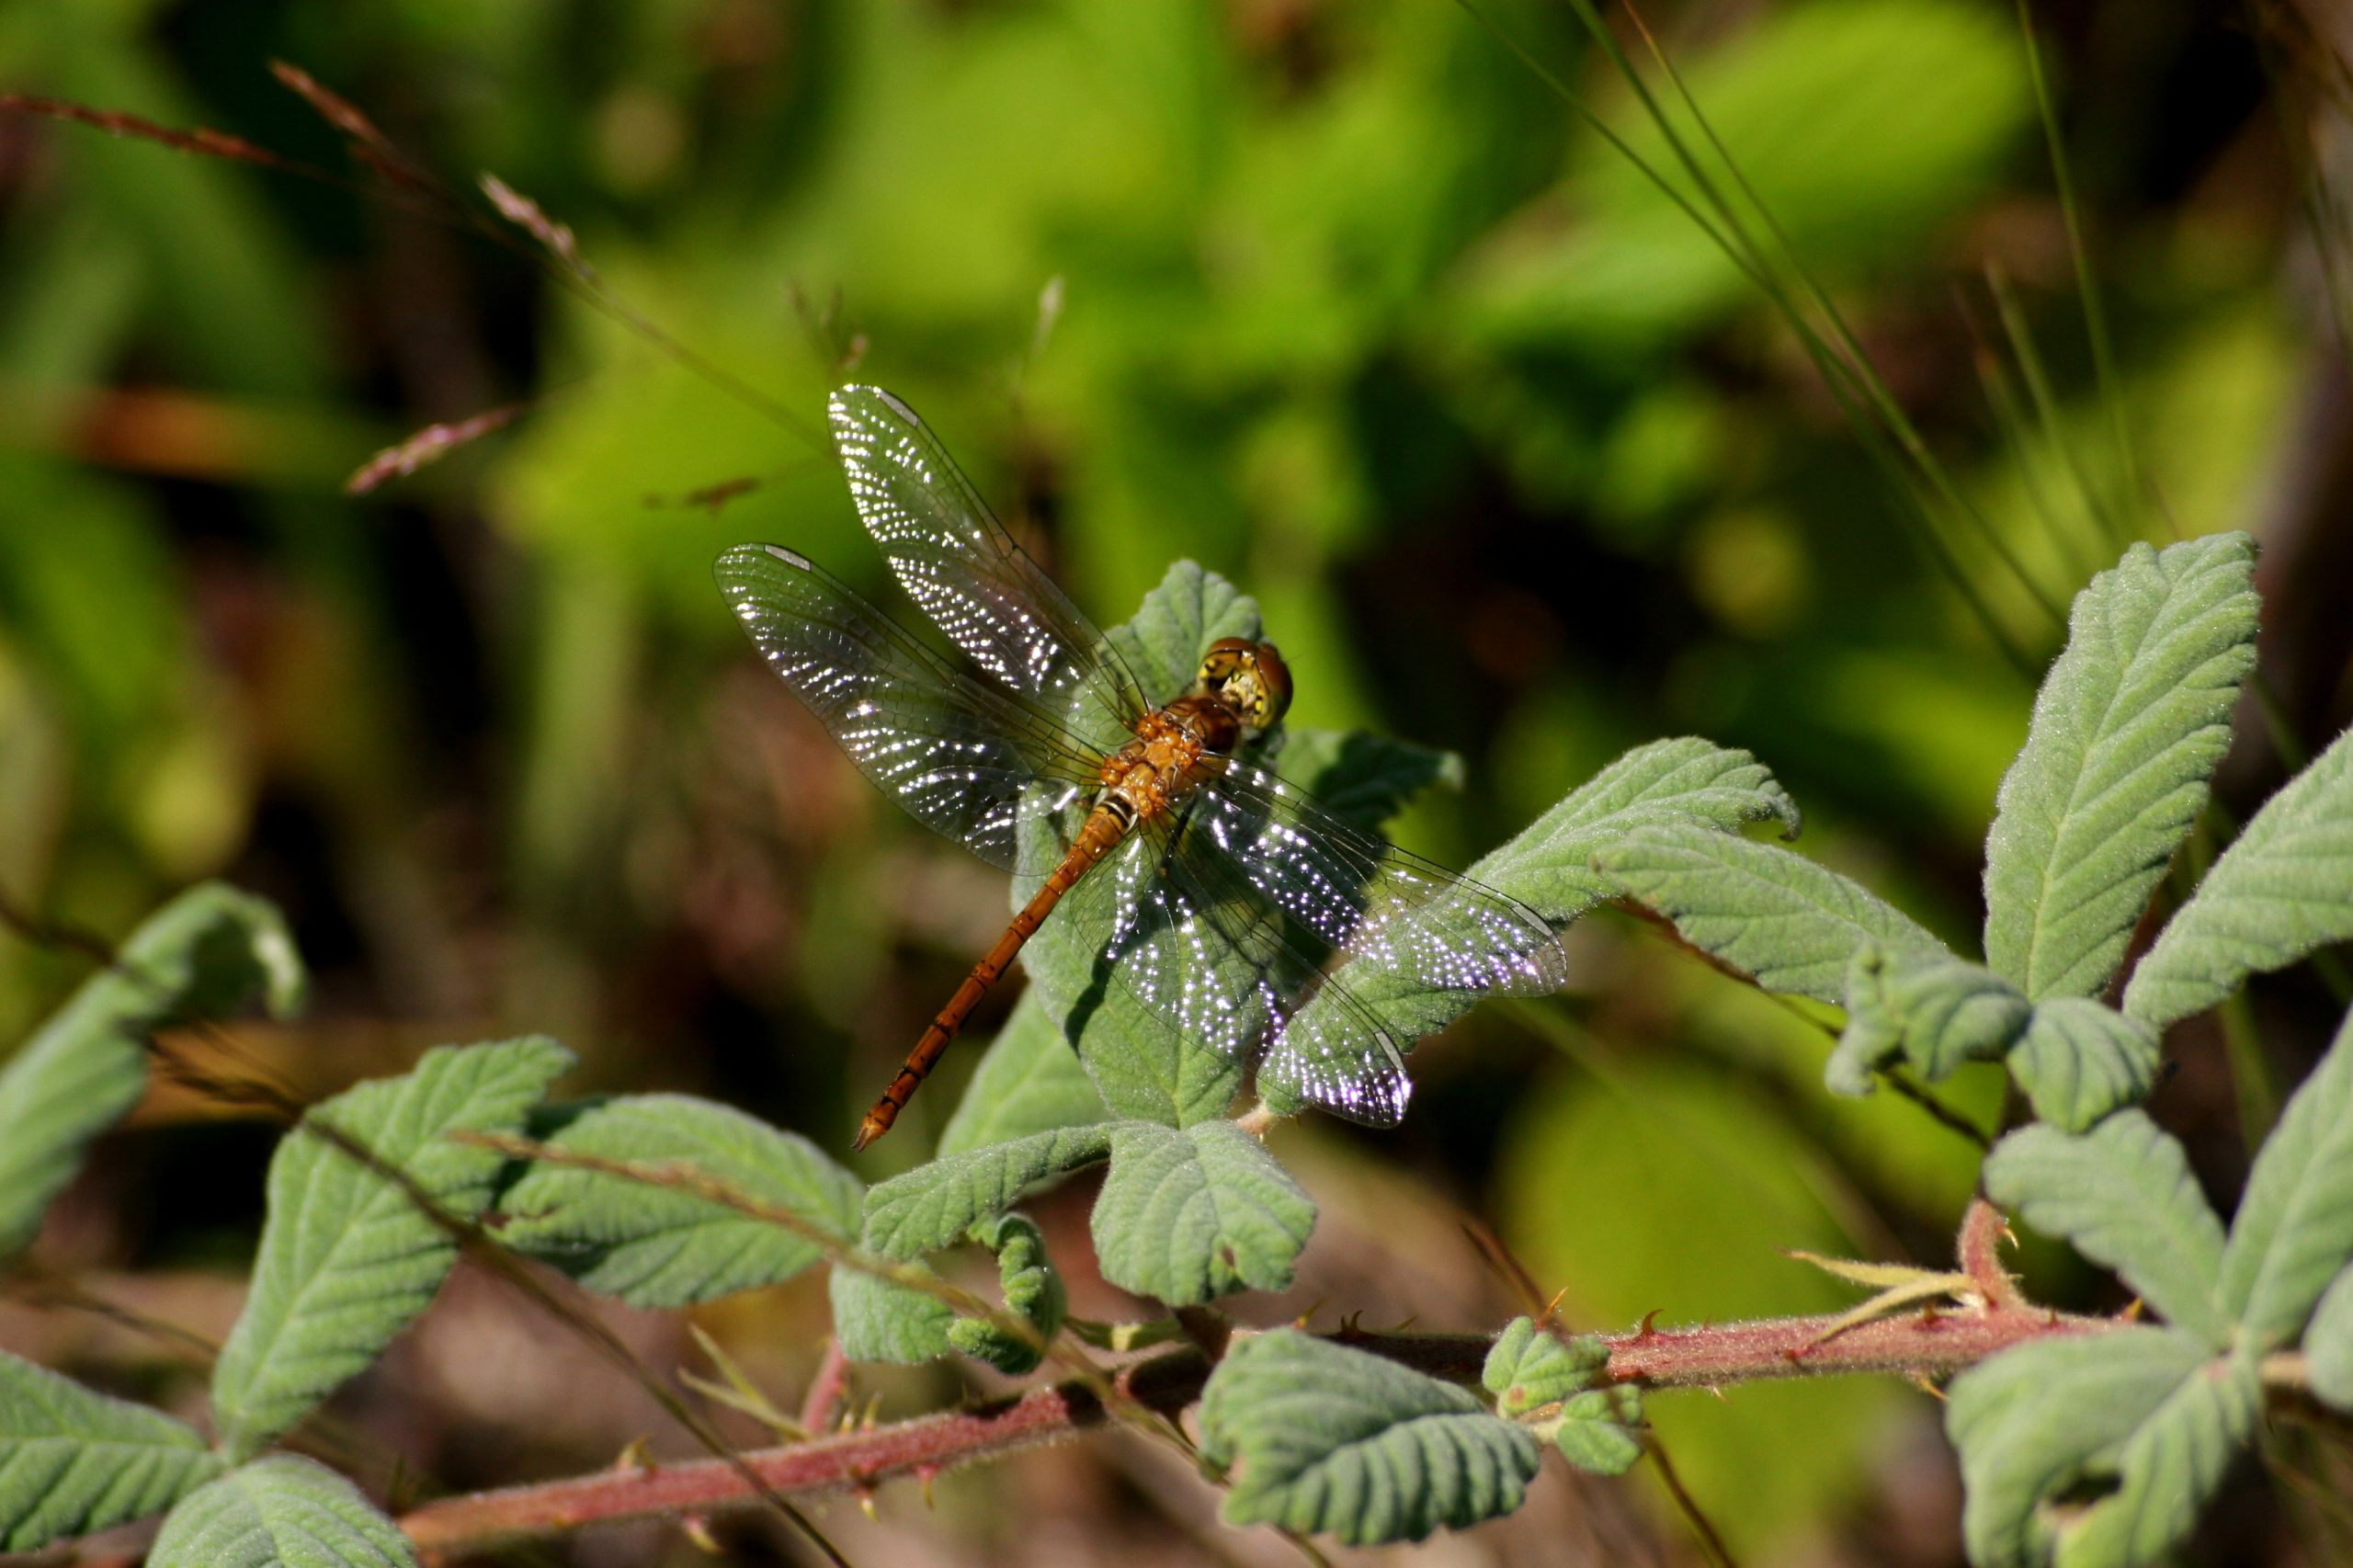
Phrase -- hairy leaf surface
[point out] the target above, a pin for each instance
(201, 955)
(2141, 1420)
(2124, 1195)
(2079, 1060)
(1795, 924)
(1330, 1440)
(73, 1460)
(2294, 1229)
(879, 1319)
(1033, 1293)
(2127, 728)
(661, 1247)
(2283, 889)
(281, 1512)
(1189, 1215)
(347, 1258)
(933, 1205)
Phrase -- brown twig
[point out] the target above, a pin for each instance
(1711, 1356)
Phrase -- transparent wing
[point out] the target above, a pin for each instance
(965, 760)
(1196, 944)
(1347, 891)
(956, 561)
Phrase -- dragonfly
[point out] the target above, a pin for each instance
(1229, 899)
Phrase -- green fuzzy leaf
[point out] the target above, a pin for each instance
(1029, 1081)
(655, 1247)
(1600, 1431)
(1563, 1384)
(2123, 1194)
(2169, 1468)
(281, 1512)
(1795, 924)
(346, 1259)
(1684, 782)
(1363, 778)
(1935, 1010)
(1189, 1215)
(2127, 726)
(2294, 1229)
(1330, 1440)
(1549, 866)
(1191, 608)
(201, 955)
(932, 1206)
(2328, 1342)
(1141, 1066)
(877, 1320)
(2141, 1419)
(2079, 1060)
(1529, 1368)
(73, 1460)
(2283, 889)
(1033, 1292)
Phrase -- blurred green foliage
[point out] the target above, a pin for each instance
(1333, 297)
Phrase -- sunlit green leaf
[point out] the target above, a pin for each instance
(281, 1512)
(2123, 1194)
(1189, 1215)
(2138, 1421)
(347, 1257)
(1029, 1081)
(200, 955)
(1330, 1440)
(1795, 925)
(2127, 725)
(2283, 889)
(879, 1319)
(933, 1205)
(1600, 1430)
(2294, 1229)
(2079, 1059)
(1033, 1292)
(661, 1246)
(73, 1460)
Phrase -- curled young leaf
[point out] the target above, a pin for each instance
(1935, 1010)
(1033, 1293)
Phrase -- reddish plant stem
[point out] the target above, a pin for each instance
(1920, 1345)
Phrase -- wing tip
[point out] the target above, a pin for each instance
(844, 414)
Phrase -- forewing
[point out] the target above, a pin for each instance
(966, 761)
(956, 561)
(1385, 910)
(1197, 944)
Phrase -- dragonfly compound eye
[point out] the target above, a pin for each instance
(1250, 678)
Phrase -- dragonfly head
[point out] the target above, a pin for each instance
(1249, 677)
